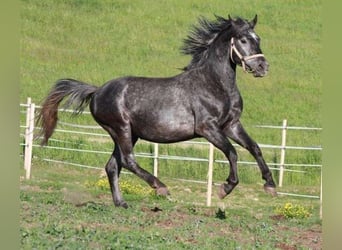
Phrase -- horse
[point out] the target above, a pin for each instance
(203, 101)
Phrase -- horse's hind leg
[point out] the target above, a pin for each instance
(154, 182)
(113, 168)
(126, 144)
(130, 164)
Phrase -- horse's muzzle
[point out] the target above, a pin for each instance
(257, 66)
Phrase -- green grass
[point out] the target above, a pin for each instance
(59, 209)
(95, 41)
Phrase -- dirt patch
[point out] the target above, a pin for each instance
(289, 237)
(284, 246)
(277, 217)
(30, 188)
(311, 238)
(173, 221)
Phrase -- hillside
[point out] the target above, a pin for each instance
(95, 41)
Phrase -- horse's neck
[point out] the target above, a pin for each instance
(224, 74)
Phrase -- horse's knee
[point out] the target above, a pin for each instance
(128, 162)
(111, 166)
(109, 171)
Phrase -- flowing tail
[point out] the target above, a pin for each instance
(79, 95)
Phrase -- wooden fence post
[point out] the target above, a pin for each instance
(29, 137)
(155, 159)
(282, 153)
(210, 174)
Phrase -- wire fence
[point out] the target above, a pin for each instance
(88, 130)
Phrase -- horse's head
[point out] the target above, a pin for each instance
(245, 48)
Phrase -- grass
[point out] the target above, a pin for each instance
(95, 41)
(59, 209)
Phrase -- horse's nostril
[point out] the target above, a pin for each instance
(263, 66)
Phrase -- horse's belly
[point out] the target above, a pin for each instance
(165, 128)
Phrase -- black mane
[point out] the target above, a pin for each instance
(201, 37)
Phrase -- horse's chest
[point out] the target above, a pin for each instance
(232, 110)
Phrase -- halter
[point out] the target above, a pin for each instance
(243, 59)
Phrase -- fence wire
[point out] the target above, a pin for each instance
(276, 166)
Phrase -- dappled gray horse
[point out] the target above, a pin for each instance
(202, 101)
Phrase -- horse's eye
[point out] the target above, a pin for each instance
(243, 40)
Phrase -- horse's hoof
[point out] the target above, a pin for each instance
(121, 204)
(221, 193)
(270, 190)
(124, 205)
(162, 191)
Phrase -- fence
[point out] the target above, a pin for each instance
(281, 166)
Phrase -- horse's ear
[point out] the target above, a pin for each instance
(254, 21)
(232, 21)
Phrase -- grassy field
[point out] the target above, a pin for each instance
(95, 41)
(69, 208)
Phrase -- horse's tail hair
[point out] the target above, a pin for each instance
(79, 95)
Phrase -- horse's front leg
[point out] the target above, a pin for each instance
(237, 133)
(215, 135)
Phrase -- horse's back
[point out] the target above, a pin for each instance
(155, 109)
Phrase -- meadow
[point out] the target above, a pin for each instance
(71, 208)
(95, 41)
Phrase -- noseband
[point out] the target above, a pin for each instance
(243, 59)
